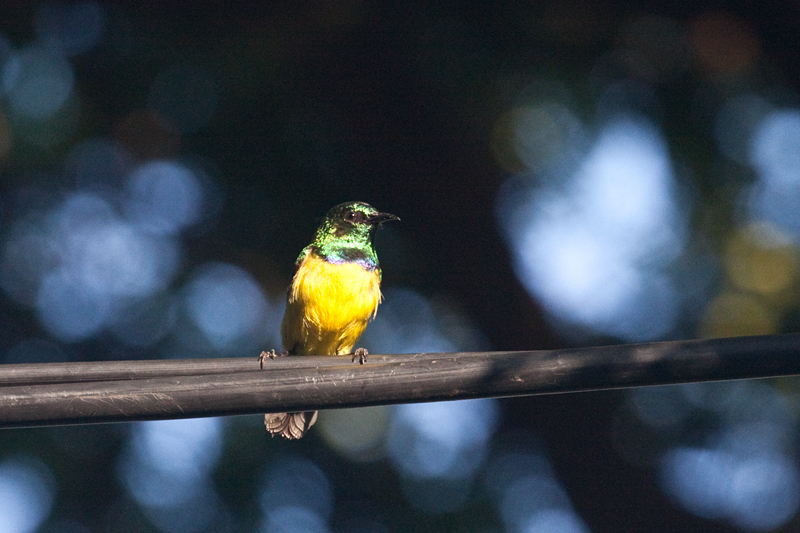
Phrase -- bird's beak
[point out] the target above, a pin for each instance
(380, 218)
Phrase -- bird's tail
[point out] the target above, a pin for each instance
(290, 425)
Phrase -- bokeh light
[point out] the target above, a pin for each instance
(38, 82)
(736, 122)
(358, 434)
(438, 448)
(445, 439)
(410, 323)
(742, 471)
(760, 259)
(99, 261)
(761, 267)
(167, 467)
(98, 165)
(100, 257)
(227, 306)
(27, 493)
(521, 482)
(146, 321)
(757, 493)
(547, 137)
(295, 495)
(595, 251)
(660, 407)
(163, 197)
(774, 150)
(167, 454)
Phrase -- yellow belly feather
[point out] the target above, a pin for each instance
(328, 307)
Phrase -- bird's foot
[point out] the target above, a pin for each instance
(272, 354)
(360, 354)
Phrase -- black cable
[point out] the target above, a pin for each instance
(149, 390)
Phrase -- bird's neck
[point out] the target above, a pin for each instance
(339, 253)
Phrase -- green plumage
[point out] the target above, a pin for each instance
(345, 236)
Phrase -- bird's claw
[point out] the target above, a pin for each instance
(360, 354)
(272, 354)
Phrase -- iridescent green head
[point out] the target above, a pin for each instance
(346, 234)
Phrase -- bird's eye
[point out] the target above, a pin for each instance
(354, 216)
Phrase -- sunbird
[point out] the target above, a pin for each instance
(334, 294)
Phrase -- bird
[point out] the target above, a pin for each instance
(334, 294)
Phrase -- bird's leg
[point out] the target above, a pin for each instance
(272, 354)
(360, 354)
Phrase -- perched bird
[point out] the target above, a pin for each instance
(334, 294)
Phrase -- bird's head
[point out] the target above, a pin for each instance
(352, 222)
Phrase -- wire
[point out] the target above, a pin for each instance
(82, 393)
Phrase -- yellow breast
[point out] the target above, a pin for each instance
(328, 307)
